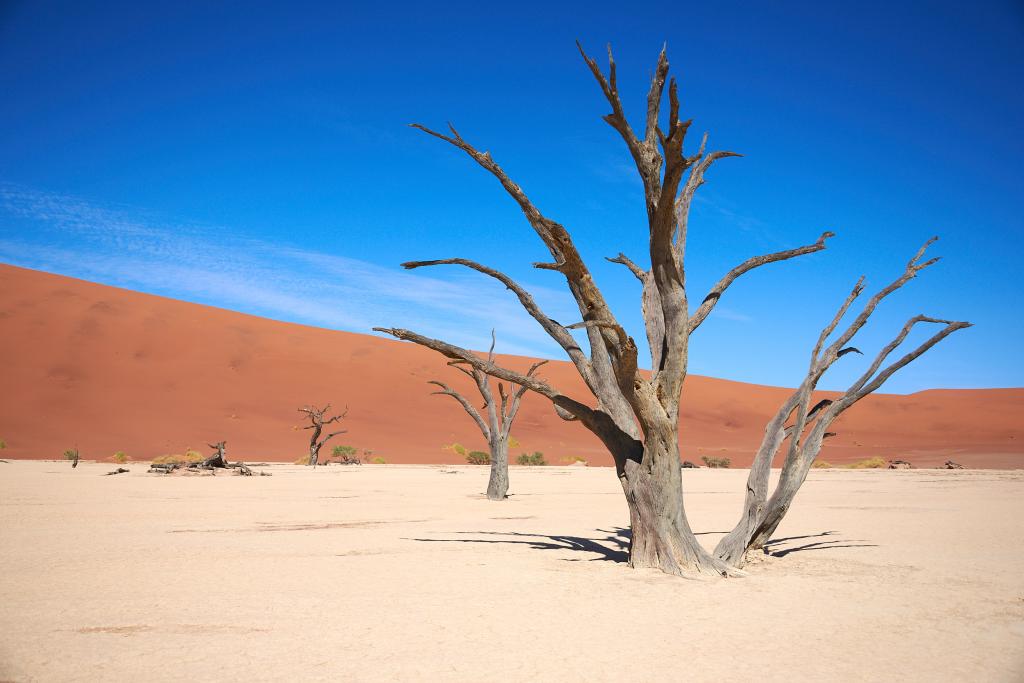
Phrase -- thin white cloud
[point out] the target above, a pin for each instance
(131, 248)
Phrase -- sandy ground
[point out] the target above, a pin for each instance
(132, 372)
(406, 573)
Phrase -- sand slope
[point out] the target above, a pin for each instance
(109, 369)
(406, 573)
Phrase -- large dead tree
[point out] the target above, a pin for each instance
(500, 415)
(317, 422)
(636, 415)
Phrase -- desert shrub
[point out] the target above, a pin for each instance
(716, 462)
(189, 457)
(536, 458)
(71, 454)
(478, 458)
(378, 461)
(301, 460)
(821, 465)
(869, 464)
(513, 442)
(3, 444)
(120, 457)
(343, 451)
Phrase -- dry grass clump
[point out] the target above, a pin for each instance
(869, 464)
(188, 458)
(716, 462)
(821, 465)
(301, 460)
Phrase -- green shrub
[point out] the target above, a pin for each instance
(3, 444)
(71, 454)
(478, 458)
(537, 458)
(378, 461)
(343, 451)
(120, 457)
(716, 462)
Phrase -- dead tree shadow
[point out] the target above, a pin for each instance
(775, 547)
(612, 547)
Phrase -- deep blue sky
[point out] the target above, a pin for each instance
(256, 157)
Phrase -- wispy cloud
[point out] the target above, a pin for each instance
(133, 248)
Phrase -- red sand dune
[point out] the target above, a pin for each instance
(108, 369)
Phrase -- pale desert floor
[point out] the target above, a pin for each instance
(407, 573)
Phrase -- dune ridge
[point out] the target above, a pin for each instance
(108, 369)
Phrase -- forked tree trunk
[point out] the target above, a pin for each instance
(497, 485)
(661, 535)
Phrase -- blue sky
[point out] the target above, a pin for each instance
(256, 157)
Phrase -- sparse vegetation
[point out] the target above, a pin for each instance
(190, 456)
(478, 458)
(71, 454)
(456, 448)
(822, 465)
(868, 464)
(120, 457)
(716, 462)
(534, 459)
(377, 460)
(3, 444)
(343, 451)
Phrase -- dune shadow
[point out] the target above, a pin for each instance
(776, 547)
(612, 547)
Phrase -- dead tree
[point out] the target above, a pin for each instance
(219, 457)
(498, 425)
(317, 421)
(635, 414)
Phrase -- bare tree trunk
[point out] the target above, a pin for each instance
(497, 485)
(661, 535)
(314, 451)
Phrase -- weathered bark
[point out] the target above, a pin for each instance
(636, 415)
(317, 421)
(497, 483)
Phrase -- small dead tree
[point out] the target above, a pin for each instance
(219, 457)
(635, 414)
(317, 422)
(498, 425)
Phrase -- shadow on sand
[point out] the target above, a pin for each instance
(777, 547)
(613, 546)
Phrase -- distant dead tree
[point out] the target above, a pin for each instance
(636, 414)
(317, 422)
(219, 457)
(500, 415)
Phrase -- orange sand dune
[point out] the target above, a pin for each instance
(107, 369)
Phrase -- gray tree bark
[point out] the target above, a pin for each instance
(635, 414)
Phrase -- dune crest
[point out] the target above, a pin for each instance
(108, 369)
